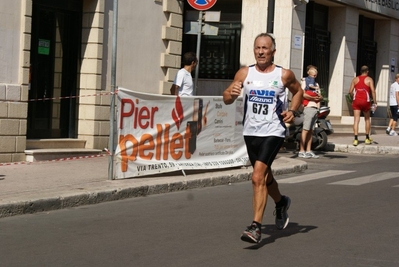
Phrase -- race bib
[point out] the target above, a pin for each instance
(261, 108)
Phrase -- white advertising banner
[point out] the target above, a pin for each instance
(164, 133)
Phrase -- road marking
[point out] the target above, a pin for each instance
(369, 179)
(312, 176)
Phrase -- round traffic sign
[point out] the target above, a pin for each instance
(201, 4)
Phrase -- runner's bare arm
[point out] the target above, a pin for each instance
(372, 89)
(290, 82)
(234, 90)
(352, 87)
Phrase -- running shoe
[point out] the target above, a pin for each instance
(355, 142)
(310, 154)
(393, 133)
(368, 141)
(303, 155)
(281, 214)
(387, 130)
(252, 234)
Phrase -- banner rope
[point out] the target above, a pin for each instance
(60, 97)
(57, 160)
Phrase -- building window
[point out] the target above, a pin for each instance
(219, 54)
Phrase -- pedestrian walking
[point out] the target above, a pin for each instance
(360, 89)
(264, 89)
(393, 106)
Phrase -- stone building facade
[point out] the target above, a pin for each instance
(62, 50)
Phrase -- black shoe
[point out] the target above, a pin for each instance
(281, 214)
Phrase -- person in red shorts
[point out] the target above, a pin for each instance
(360, 90)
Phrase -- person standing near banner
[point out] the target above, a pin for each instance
(183, 83)
(264, 89)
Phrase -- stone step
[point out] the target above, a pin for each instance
(342, 128)
(348, 129)
(34, 155)
(344, 125)
(55, 143)
(53, 149)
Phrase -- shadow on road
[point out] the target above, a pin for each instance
(274, 234)
(336, 156)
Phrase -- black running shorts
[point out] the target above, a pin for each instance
(394, 112)
(263, 149)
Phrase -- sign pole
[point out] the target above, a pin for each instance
(198, 51)
(199, 5)
(113, 86)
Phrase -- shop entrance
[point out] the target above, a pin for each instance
(55, 66)
(366, 46)
(317, 43)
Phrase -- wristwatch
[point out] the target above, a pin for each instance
(296, 113)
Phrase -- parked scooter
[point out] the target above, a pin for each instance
(322, 129)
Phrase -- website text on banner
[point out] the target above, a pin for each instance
(162, 133)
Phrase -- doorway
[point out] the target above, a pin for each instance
(54, 68)
(366, 46)
(317, 44)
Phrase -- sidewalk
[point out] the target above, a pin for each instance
(382, 144)
(45, 186)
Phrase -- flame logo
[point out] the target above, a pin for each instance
(177, 113)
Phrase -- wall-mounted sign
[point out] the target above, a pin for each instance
(44, 47)
(298, 41)
(191, 27)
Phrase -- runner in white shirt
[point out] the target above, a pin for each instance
(264, 89)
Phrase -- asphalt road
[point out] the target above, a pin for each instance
(343, 213)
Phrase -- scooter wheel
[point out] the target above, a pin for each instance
(319, 142)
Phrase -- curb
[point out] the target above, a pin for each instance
(363, 149)
(111, 193)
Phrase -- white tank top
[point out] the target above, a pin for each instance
(265, 100)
